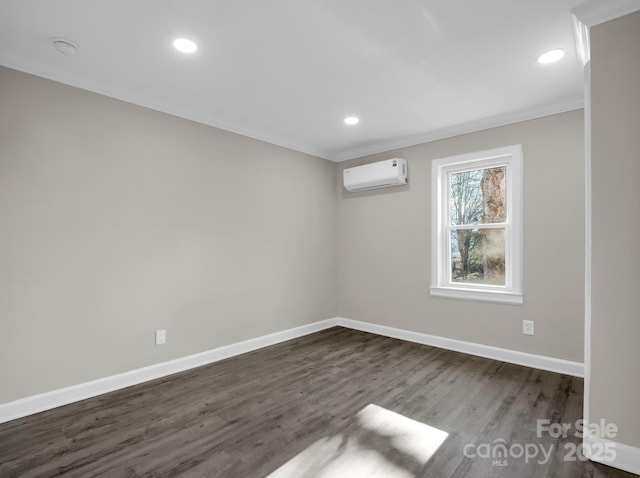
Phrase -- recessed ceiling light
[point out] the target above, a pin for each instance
(551, 56)
(184, 45)
(351, 120)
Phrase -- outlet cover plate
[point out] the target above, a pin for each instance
(527, 327)
(161, 337)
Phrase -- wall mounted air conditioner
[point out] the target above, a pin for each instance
(391, 172)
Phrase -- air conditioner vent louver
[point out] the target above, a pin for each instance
(391, 172)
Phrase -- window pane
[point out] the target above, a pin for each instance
(478, 256)
(478, 197)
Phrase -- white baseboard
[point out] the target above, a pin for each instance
(611, 453)
(552, 364)
(56, 398)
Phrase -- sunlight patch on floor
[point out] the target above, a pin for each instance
(377, 443)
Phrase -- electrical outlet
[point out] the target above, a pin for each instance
(161, 337)
(527, 327)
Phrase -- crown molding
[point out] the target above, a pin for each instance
(596, 12)
(154, 104)
(203, 118)
(581, 38)
(465, 128)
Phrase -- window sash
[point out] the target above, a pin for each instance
(471, 285)
(442, 284)
(489, 225)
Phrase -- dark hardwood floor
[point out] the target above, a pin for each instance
(248, 415)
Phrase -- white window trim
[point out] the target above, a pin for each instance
(441, 285)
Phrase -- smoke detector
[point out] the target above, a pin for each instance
(64, 46)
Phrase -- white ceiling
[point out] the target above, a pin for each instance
(289, 71)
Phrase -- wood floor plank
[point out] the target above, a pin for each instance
(248, 415)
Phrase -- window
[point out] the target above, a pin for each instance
(477, 226)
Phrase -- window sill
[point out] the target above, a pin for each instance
(481, 295)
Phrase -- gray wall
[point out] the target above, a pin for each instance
(384, 245)
(116, 220)
(615, 150)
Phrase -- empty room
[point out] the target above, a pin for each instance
(319, 238)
